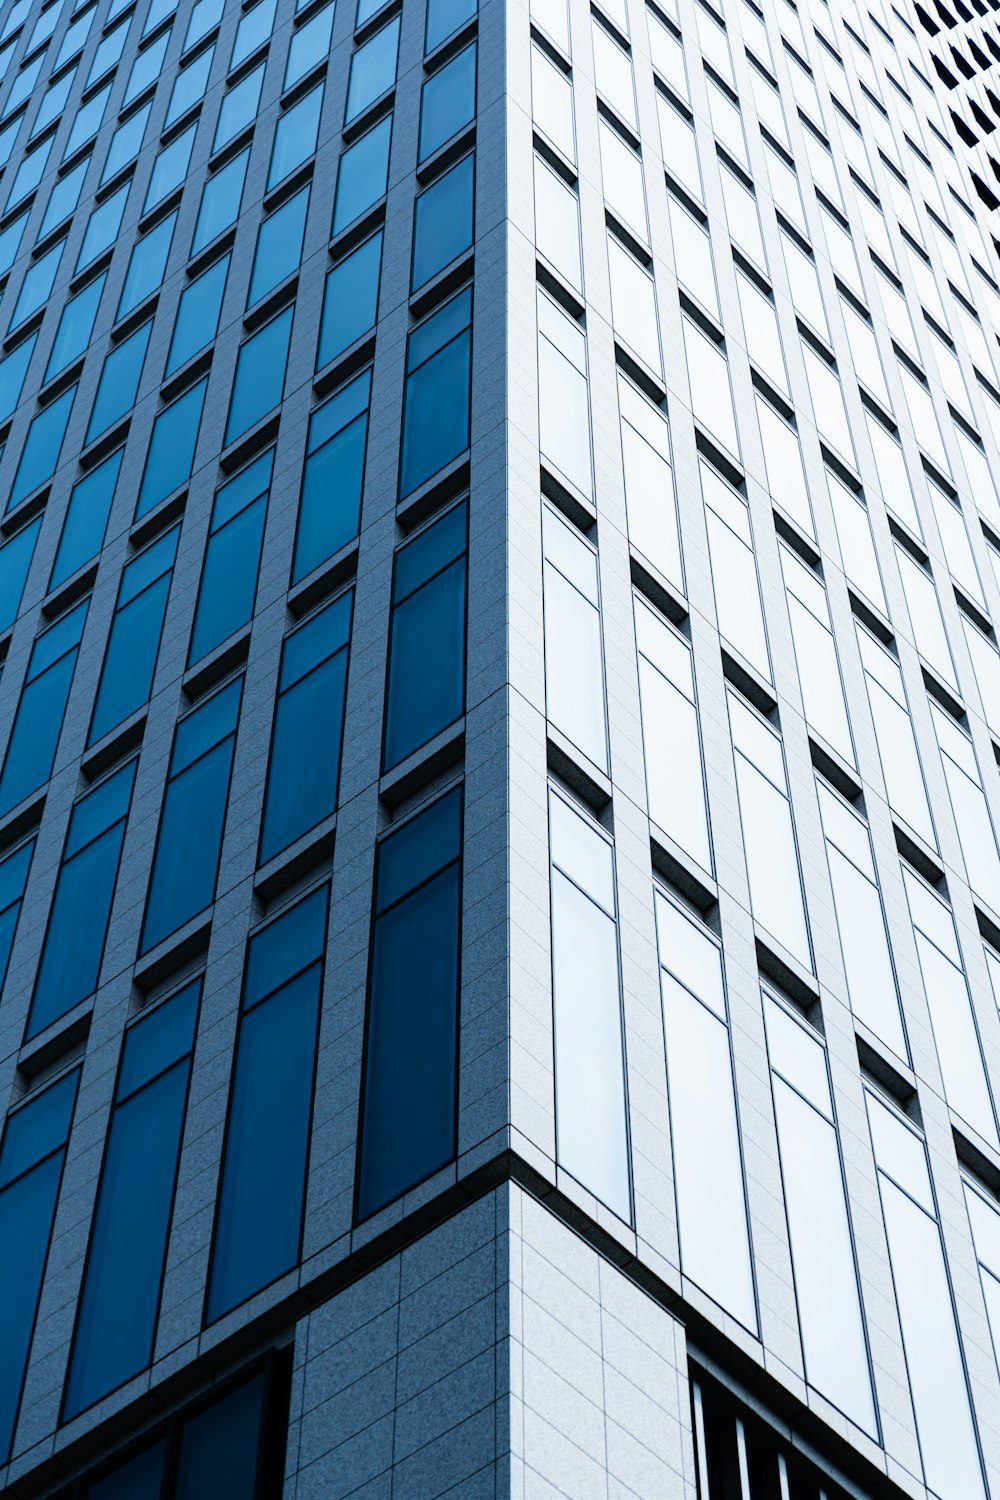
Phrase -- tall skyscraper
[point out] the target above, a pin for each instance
(499, 739)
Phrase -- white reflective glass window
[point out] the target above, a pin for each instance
(979, 485)
(971, 811)
(621, 172)
(840, 247)
(786, 476)
(816, 655)
(986, 670)
(803, 281)
(633, 306)
(574, 659)
(727, 123)
(734, 571)
(714, 44)
(677, 143)
(675, 783)
(893, 479)
(613, 75)
(776, 898)
(929, 635)
(760, 326)
(712, 1226)
(864, 943)
(552, 103)
(591, 1120)
(897, 313)
(557, 224)
(650, 498)
(666, 49)
(857, 549)
(742, 217)
(693, 260)
(984, 1219)
(563, 401)
(894, 739)
(552, 16)
(936, 1371)
(785, 188)
(829, 412)
(950, 373)
(711, 393)
(923, 418)
(827, 1294)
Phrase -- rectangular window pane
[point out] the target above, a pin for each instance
(229, 574)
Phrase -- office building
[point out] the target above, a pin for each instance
(499, 734)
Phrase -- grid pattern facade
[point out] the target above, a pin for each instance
(499, 715)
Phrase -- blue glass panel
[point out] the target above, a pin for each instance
(57, 640)
(130, 661)
(408, 1101)
(119, 382)
(219, 1448)
(279, 246)
(419, 849)
(13, 369)
(157, 1041)
(147, 265)
(295, 137)
(448, 103)
(350, 300)
(186, 865)
(26, 1213)
(426, 689)
(429, 552)
(13, 876)
(38, 1128)
(121, 1289)
(138, 1479)
(197, 320)
(260, 374)
(362, 175)
(373, 70)
(32, 747)
(444, 17)
(15, 560)
(305, 756)
(435, 414)
(42, 447)
(78, 927)
(171, 448)
(102, 228)
(330, 505)
(285, 947)
(261, 1196)
(442, 222)
(220, 202)
(228, 580)
(86, 520)
(75, 326)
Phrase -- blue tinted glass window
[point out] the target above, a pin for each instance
(442, 222)
(239, 108)
(76, 326)
(64, 197)
(81, 907)
(436, 401)
(232, 559)
(10, 242)
(253, 31)
(109, 51)
(190, 86)
(198, 312)
(147, 265)
(362, 175)
(102, 228)
(279, 246)
(408, 1092)
(13, 369)
(113, 1339)
(295, 136)
(308, 47)
(119, 383)
(308, 728)
(448, 101)
(29, 174)
(260, 374)
(53, 102)
(88, 121)
(205, 16)
(86, 520)
(15, 560)
(189, 842)
(146, 69)
(14, 869)
(169, 168)
(32, 746)
(426, 689)
(171, 448)
(333, 477)
(126, 143)
(76, 35)
(31, 1164)
(258, 1228)
(42, 447)
(220, 201)
(37, 285)
(134, 641)
(350, 300)
(373, 70)
(219, 1448)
